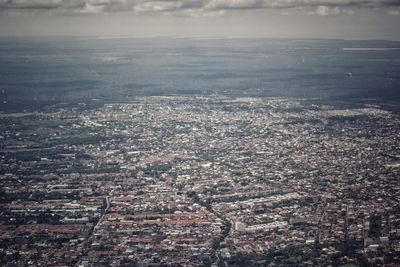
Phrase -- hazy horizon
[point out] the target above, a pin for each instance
(332, 19)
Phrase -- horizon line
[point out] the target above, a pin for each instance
(109, 37)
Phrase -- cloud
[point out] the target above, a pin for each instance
(325, 10)
(196, 7)
(394, 11)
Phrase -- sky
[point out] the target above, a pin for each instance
(347, 19)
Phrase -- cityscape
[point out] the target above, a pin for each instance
(199, 133)
(201, 181)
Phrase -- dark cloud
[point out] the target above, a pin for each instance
(33, 4)
(319, 7)
(287, 4)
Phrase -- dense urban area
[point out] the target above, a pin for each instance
(201, 181)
